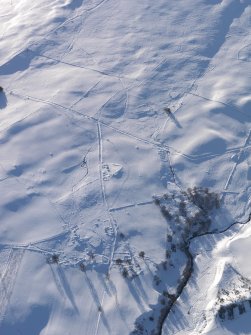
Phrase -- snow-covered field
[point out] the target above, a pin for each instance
(125, 167)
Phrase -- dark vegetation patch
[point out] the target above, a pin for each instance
(188, 214)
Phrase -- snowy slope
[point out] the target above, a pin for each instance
(125, 166)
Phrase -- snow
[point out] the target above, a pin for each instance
(87, 146)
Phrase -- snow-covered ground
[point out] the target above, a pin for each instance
(125, 167)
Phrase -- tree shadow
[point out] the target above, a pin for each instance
(3, 100)
(140, 289)
(96, 299)
(239, 326)
(174, 119)
(33, 323)
(67, 288)
(177, 321)
(114, 292)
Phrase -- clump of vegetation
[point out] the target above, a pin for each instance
(125, 273)
(128, 268)
(91, 255)
(156, 201)
(168, 295)
(139, 329)
(203, 198)
(187, 214)
(189, 211)
(82, 267)
(168, 254)
(169, 238)
(53, 259)
(182, 208)
(118, 261)
(142, 254)
(168, 110)
(165, 212)
(187, 272)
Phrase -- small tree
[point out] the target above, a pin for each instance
(169, 238)
(168, 254)
(82, 267)
(167, 110)
(119, 261)
(53, 259)
(142, 254)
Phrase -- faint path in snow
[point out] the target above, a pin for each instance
(111, 219)
(99, 304)
(240, 151)
(113, 224)
(8, 278)
(85, 95)
(79, 14)
(33, 245)
(240, 157)
(104, 73)
(130, 135)
(222, 103)
(63, 285)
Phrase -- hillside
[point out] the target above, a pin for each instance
(125, 167)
